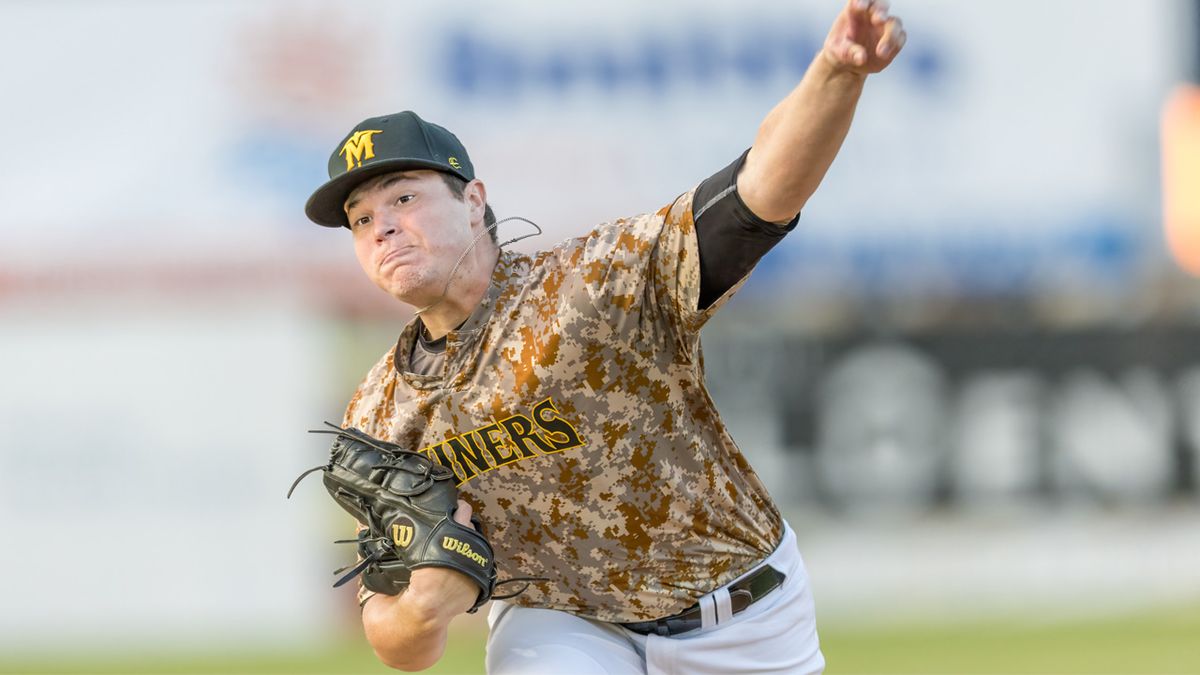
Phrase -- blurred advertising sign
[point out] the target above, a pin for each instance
(1006, 419)
(987, 160)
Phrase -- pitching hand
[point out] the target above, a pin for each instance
(864, 38)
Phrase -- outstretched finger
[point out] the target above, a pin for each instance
(893, 39)
(879, 12)
(860, 6)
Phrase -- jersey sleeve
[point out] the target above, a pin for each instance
(641, 274)
(730, 237)
(678, 266)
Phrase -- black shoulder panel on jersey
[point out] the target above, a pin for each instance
(730, 237)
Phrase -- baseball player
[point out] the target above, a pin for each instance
(565, 390)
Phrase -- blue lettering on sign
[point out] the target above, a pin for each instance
(1102, 249)
(490, 64)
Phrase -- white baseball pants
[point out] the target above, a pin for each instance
(777, 634)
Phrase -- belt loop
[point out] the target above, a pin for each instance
(724, 605)
(708, 611)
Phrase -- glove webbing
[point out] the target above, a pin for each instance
(429, 467)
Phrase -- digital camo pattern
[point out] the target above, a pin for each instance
(573, 411)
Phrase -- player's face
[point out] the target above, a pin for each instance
(409, 230)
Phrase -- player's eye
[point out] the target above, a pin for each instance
(363, 221)
(403, 199)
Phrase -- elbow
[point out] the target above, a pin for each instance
(408, 665)
(410, 653)
(407, 655)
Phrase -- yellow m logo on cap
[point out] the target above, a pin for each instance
(360, 146)
(402, 535)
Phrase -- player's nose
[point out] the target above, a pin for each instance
(385, 227)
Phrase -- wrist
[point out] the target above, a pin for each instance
(427, 610)
(439, 595)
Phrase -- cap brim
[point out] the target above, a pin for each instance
(327, 205)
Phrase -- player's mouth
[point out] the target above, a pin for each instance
(393, 255)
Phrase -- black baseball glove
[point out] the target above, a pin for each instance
(406, 503)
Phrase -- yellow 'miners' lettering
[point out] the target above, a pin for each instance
(512, 439)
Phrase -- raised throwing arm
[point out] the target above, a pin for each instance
(799, 138)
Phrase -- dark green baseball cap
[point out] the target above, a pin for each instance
(382, 145)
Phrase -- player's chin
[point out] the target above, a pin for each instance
(408, 284)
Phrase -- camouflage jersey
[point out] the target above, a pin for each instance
(573, 411)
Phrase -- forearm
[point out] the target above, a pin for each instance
(408, 631)
(797, 141)
(405, 633)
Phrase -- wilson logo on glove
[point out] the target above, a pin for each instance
(406, 503)
(402, 532)
(462, 547)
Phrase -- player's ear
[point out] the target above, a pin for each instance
(475, 196)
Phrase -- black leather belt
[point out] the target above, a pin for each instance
(742, 594)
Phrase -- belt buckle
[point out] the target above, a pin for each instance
(740, 599)
(687, 621)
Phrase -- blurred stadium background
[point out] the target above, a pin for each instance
(971, 377)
